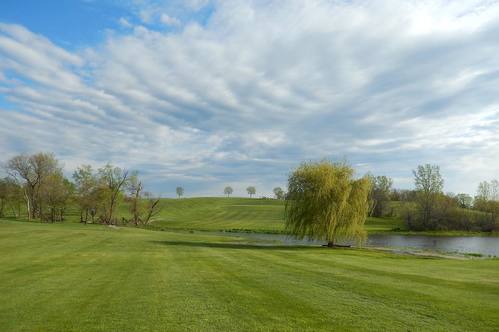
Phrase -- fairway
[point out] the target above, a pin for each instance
(71, 277)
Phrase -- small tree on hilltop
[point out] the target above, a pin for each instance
(180, 191)
(325, 202)
(279, 193)
(228, 191)
(251, 191)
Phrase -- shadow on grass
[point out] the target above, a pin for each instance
(232, 245)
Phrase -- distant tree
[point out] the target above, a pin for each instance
(279, 193)
(251, 191)
(228, 191)
(429, 185)
(379, 196)
(180, 191)
(464, 201)
(483, 191)
(112, 182)
(325, 202)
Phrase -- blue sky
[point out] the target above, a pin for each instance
(206, 94)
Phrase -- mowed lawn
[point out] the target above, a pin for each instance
(71, 277)
(240, 214)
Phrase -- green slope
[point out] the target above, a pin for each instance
(244, 214)
(226, 214)
(71, 277)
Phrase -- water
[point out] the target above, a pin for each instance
(486, 246)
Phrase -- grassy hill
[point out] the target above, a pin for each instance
(242, 214)
(226, 214)
(72, 277)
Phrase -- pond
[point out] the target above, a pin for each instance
(486, 246)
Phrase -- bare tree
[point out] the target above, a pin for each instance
(135, 194)
(153, 207)
(113, 180)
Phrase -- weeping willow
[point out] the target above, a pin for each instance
(324, 202)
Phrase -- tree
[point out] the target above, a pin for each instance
(112, 181)
(251, 191)
(3, 196)
(180, 191)
(31, 171)
(11, 196)
(429, 185)
(279, 193)
(87, 192)
(135, 194)
(228, 191)
(464, 200)
(381, 187)
(325, 202)
(152, 208)
(56, 191)
(143, 206)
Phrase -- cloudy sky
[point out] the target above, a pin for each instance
(205, 94)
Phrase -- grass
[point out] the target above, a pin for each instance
(250, 215)
(72, 277)
(238, 214)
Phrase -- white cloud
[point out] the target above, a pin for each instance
(169, 20)
(263, 86)
(124, 22)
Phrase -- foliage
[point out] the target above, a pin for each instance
(251, 191)
(31, 171)
(179, 191)
(429, 185)
(324, 202)
(379, 196)
(464, 201)
(279, 193)
(228, 191)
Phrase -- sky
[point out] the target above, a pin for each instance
(204, 94)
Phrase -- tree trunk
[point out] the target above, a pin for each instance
(330, 244)
(28, 205)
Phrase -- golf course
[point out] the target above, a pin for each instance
(74, 277)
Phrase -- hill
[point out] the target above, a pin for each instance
(237, 214)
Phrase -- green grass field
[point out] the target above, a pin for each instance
(72, 277)
(240, 214)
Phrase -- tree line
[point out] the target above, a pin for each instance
(427, 207)
(36, 184)
(326, 202)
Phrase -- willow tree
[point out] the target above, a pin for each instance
(325, 202)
